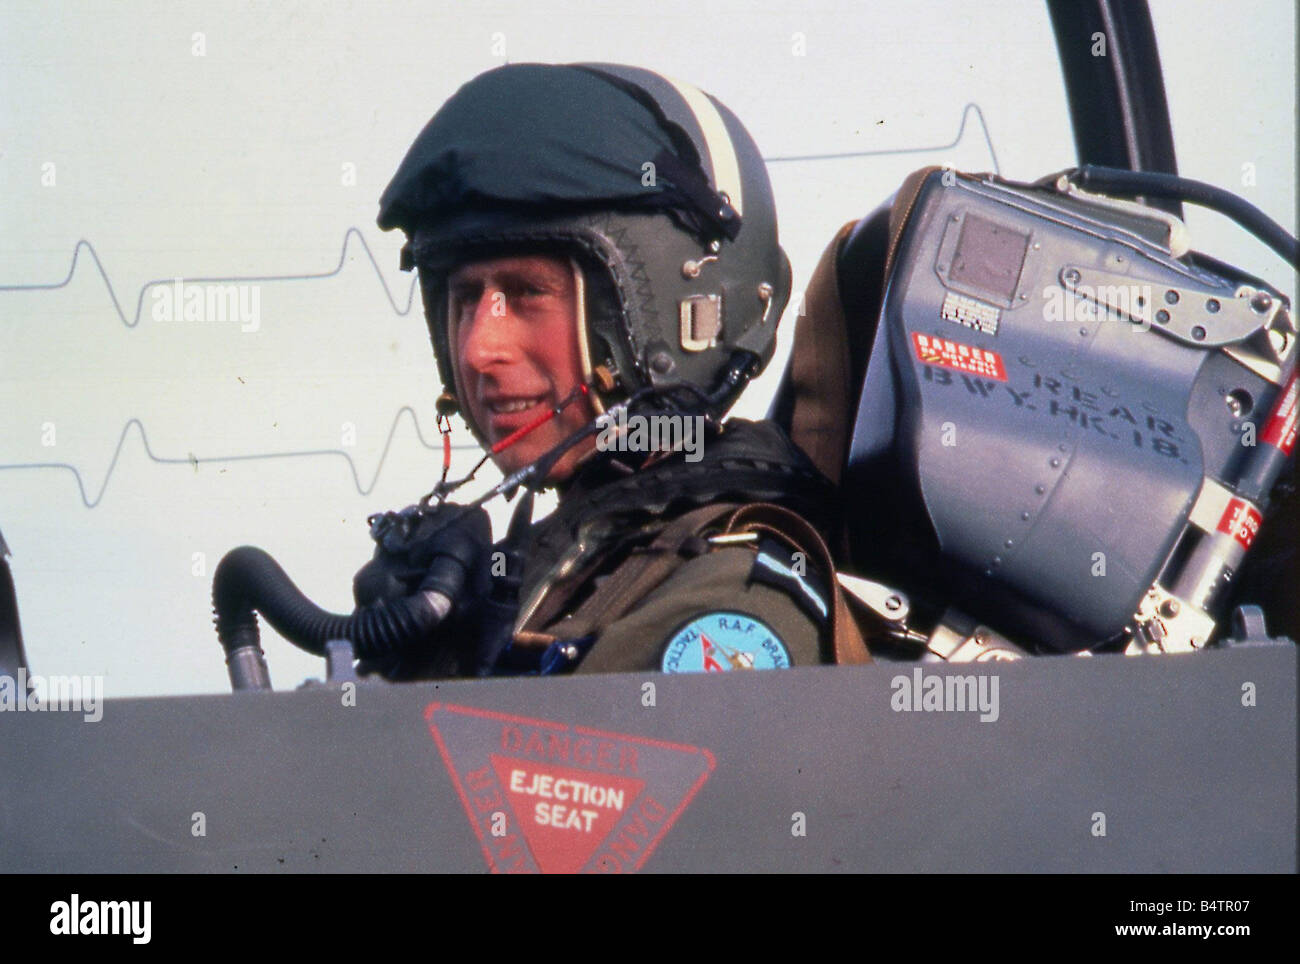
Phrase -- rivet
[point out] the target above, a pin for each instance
(661, 362)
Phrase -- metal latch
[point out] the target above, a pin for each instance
(887, 603)
(1195, 317)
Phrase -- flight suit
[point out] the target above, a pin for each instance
(708, 567)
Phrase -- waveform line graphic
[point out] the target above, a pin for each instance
(971, 109)
(352, 232)
(195, 461)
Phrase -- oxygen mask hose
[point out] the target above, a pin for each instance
(249, 581)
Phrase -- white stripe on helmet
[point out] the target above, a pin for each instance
(722, 154)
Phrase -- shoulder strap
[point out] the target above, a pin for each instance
(647, 567)
(849, 646)
(644, 569)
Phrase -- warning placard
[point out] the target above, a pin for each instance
(546, 797)
(947, 353)
(1241, 520)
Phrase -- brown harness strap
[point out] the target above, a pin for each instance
(648, 567)
(849, 646)
(820, 377)
(644, 569)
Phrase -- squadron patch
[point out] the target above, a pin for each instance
(722, 641)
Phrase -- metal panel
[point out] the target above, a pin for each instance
(1188, 779)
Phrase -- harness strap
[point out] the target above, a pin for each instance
(849, 646)
(644, 569)
(649, 566)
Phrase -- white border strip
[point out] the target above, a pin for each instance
(722, 154)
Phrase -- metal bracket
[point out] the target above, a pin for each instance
(1168, 624)
(1267, 350)
(1178, 242)
(1249, 629)
(1194, 317)
(340, 658)
(701, 321)
(887, 603)
(957, 639)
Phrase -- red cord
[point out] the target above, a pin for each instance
(541, 420)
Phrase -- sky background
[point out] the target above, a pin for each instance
(251, 140)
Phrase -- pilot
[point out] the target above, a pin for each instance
(598, 258)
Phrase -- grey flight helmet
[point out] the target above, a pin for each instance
(653, 187)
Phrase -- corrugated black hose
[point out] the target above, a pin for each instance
(249, 581)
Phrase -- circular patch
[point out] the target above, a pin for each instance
(720, 641)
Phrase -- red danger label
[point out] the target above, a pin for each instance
(1241, 521)
(947, 353)
(545, 797)
(1280, 429)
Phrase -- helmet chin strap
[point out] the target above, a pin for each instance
(580, 321)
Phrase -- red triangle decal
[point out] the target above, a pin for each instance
(563, 813)
(546, 797)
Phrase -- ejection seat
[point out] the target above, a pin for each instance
(846, 423)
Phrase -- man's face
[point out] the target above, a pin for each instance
(513, 326)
